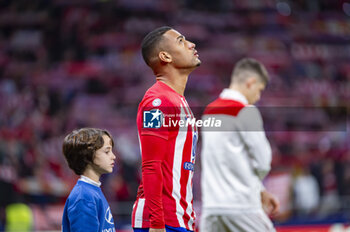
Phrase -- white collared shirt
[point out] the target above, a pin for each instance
(89, 181)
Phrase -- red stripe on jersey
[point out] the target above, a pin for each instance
(184, 177)
(133, 214)
(224, 106)
(187, 190)
(168, 200)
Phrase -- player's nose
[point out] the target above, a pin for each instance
(191, 45)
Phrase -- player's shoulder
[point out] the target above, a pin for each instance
(159, 95)
(225, 107)
(250, 109)
(223, 102)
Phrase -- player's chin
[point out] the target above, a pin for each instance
(198, 63)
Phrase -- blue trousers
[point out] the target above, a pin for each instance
(167, 229)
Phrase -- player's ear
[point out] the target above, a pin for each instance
(251, 81)
(164, 57)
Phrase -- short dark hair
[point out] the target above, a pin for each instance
(247, 66)
(150, 42)
(80, 145)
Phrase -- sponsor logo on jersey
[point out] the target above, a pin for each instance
(194, 146)
(109, 217)
(109, 230)
(189, 166)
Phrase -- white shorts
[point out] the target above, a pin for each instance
(243, 222)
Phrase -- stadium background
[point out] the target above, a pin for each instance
(66, 64)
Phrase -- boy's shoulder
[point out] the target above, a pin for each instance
(83, 191)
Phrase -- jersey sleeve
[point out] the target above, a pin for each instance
(253, 135)
(152, 176)
(83, 217)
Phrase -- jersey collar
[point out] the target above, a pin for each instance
(233, 95)
(89, 181)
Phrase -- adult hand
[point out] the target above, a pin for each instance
(157, 230)
(271, 204)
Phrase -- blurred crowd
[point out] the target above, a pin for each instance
(66, 64)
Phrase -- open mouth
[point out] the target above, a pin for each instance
(196, 53)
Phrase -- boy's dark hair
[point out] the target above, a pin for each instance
(79, 147)
(247, 66)
(150, 42)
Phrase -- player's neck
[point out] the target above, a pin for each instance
(238, 88)
(176, 82)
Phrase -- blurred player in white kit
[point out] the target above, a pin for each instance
(235, 161)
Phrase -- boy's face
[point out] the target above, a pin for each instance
(104, 157)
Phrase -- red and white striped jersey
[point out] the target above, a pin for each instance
(168, 147)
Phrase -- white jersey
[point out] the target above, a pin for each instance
(234, 161)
